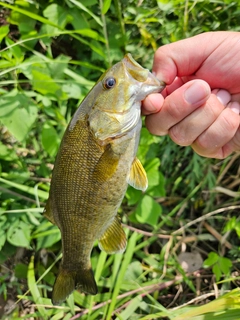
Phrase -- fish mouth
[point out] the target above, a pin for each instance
(153, 84)
(142, 75)
(161, 84)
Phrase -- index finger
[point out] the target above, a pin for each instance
(201, 57)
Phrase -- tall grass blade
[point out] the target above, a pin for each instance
(126, 261)
(37, 296)
(37, 193)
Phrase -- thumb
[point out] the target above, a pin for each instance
(185, 57)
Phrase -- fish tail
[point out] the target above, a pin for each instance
(85, 281)
(67, 281)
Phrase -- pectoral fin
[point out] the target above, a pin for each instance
(106, 165)
(138, 177)
(114, 238)
(48, 212)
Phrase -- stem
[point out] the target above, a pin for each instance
(105, 34)
(121, 22)
(185, 17)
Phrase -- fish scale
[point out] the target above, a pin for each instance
(95, 163)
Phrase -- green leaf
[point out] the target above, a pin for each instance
(21, 271)
(6, 153)
(43, 74)
(237, 228)
(231, 224)
(18, 113)
(50, 139)
(158, 190)
(5, 64)
(33, 63)
(7, 251)
(80, 5)
(216, 270)
(73, 90)
(133, 195)
(58, 66)
(24, 25)
(211, 260)
(15, 50)
(28, 13)
(48, 238)
(148, 211)
(133, 271)
(3, 238)
(3, 32)
(225, 265)
(151, 168)
(45, 84)
(147, 143)
(19, 234)
(106, 6)
(57, 14)
(79, 21)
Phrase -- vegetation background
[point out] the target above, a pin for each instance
(52, 52)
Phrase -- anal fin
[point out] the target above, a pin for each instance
(114, 238)
(138, 177)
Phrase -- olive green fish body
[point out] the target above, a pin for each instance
(95, 163)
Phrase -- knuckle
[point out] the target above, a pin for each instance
(179, 136)
(155, 126)
(229, 121)
(173, 109)
(212, 109)
(202, 143)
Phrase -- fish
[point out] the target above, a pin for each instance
(95, 164)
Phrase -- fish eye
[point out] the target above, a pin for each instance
(109, 83)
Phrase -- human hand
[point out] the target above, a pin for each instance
(201, 113)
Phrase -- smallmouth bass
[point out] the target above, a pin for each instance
(95, 163)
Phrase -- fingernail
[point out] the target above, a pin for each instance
(234, 106)
(223, 96)
(197, 93)
(215, 91)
